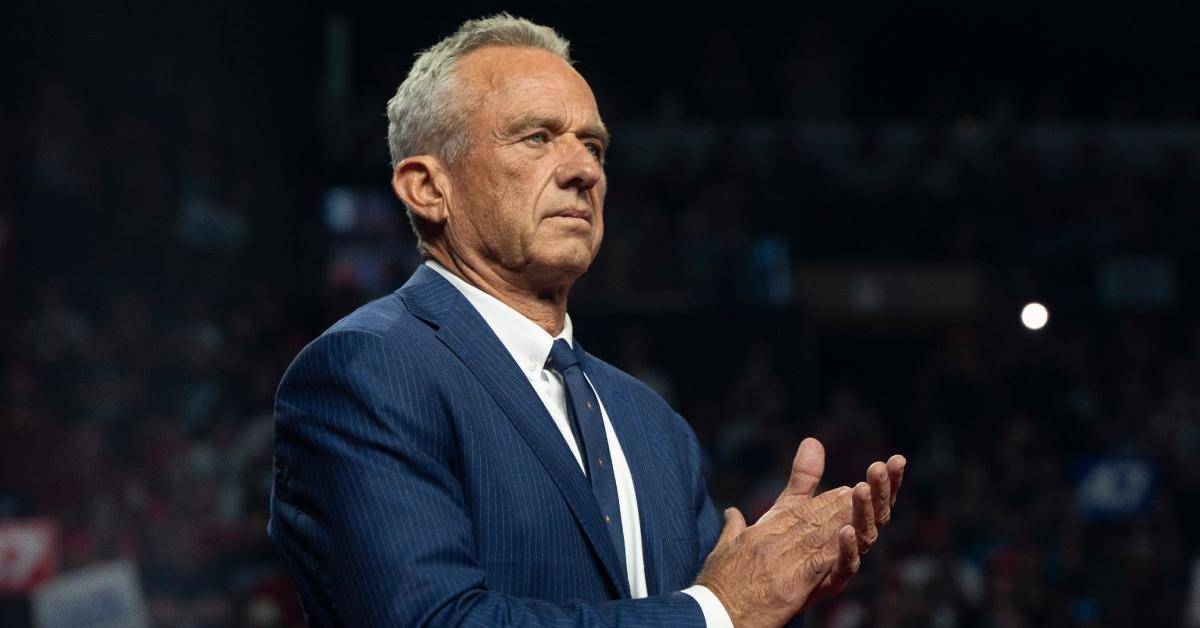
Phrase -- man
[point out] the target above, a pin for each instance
(450, 455)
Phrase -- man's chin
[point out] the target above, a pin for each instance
(565, 265)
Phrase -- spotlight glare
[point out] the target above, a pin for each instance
(1034, 316)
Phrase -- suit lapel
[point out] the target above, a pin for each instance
(463, 331)
(625, 421)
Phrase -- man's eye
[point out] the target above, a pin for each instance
(596, 150)
(541, 137)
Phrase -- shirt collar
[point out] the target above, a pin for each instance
(528, 343)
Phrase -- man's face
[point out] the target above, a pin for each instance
(528, 196)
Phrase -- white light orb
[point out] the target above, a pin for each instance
(1034, 316)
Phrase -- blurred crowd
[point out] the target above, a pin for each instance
(150, 323)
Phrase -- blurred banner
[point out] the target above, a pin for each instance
(1137, 283)
(104, 596)
(29, 551)
(1113, 488)
(889, 291)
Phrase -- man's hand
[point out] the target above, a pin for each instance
(873, 501)
(806, 547)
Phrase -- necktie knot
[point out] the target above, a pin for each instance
(561, 357)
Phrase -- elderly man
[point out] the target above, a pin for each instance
(449, 454)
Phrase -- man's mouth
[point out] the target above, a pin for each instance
(582, 214)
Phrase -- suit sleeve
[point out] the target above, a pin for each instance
(368, 515)
(708, 522)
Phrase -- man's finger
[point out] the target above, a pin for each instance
(847, 562)
(895, 469)
(881, 493)
(864, 518)
(734, 524)
(807, 468)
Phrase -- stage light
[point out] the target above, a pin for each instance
(1035, 316)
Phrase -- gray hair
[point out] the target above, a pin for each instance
(428, 115)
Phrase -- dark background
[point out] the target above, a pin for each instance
(820, 222)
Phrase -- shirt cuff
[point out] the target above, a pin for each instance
(715, 615)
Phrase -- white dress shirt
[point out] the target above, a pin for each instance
(529, 346)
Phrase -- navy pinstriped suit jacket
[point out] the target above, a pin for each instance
(420, 480)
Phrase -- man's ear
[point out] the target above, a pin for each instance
(421, 182)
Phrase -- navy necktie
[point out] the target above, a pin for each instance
(588, 423)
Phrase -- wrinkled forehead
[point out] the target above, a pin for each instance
(499, 71)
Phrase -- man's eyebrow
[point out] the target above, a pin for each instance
(534, 120)
(596, 131)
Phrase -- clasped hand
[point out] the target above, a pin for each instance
(806, 547)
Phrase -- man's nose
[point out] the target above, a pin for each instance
(579, 169)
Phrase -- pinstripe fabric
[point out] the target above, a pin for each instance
(419, 480)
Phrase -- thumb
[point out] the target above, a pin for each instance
(734, 524)
(807, 469)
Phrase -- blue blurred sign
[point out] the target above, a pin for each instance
(1136, 283)
(101, 596)
(1113, 488)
